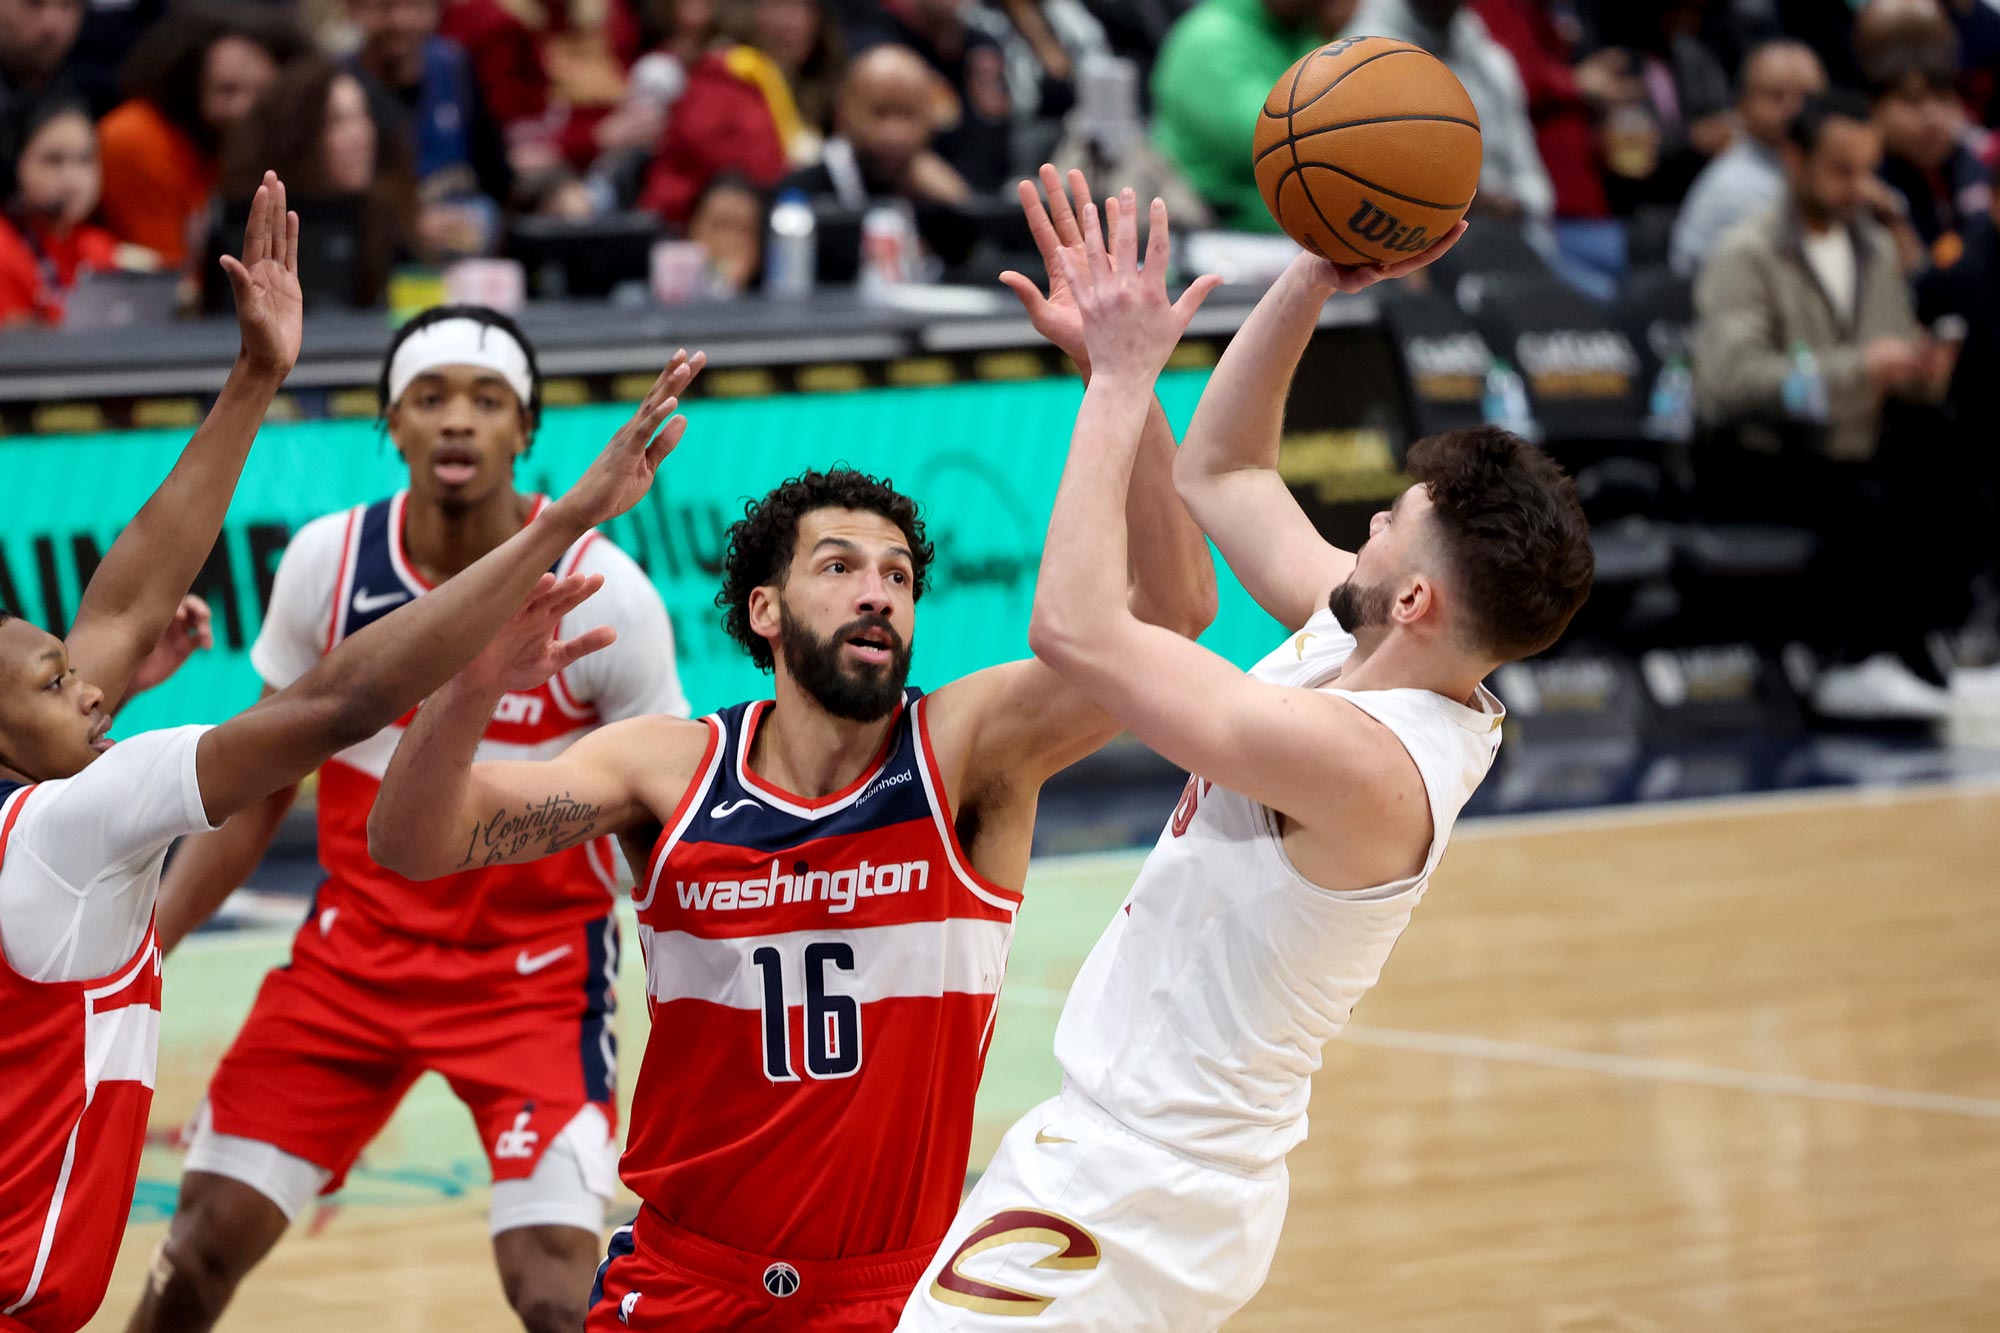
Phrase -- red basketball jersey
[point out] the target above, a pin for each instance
(479, 906)
(76, 1082)
(822, 976)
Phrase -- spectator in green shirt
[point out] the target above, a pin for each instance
(1214, 72)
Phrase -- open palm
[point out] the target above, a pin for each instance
(270, 309)
(1056, 228)
(527, 650)
(623, 473)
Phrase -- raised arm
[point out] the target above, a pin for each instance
(1227, 469)
(1019, 723)
(136, 591)
(1294, 750)
(377, 675)
(1172, 575)
(438, 812)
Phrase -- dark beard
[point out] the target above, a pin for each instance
(1357, 607)
(857, 693)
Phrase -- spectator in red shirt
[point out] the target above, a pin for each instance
(714, 120)
(553, 72)
(45, 244)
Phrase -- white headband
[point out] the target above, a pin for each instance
(461, 342)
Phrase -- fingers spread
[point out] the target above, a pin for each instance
(572, 651)
(1095, 260)
(1068, 229)
(1030, 295)
(1191, 299)
(1039, 229)
(1156, 240)
(1125, 233)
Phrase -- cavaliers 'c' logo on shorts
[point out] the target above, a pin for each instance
(1074, 1248)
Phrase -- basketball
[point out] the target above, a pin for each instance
(1367, 150)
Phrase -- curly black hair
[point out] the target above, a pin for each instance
(478, 314)
(760, 543)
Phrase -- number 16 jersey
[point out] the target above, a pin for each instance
(822, 976)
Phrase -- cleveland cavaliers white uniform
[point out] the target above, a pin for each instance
(1150, 1192)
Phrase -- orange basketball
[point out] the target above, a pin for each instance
(1367, 150)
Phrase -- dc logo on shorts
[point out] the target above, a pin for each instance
(627, 1306)
(781, 1279)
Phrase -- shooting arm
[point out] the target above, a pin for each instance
(1227, 467)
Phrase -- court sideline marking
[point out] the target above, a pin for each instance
(1644, 1067)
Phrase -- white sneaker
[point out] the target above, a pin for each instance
(1878, 690)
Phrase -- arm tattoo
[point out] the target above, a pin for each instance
(554, 824)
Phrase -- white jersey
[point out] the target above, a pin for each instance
(82, 869)
(1200, 1016)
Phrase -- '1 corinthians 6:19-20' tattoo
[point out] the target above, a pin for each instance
(550, 826)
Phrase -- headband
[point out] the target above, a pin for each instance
(461, 342)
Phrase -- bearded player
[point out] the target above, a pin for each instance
(1324, 784)
(829, 884)
(85, 824)
(503, 986)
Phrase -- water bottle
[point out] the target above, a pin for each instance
(792, 252)
(1805, 385)
(1673, 400)
(1505, 402)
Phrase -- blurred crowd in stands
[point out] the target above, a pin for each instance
(1815, 174)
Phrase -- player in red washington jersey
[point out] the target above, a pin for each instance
(829, 884)
(85, 824)
(504, 986)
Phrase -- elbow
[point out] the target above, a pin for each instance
(393, 846)
(1052, 637)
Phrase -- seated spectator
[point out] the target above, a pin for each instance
(423, 87)
(1926, 159)
(1748, 176)
(728, 225)
(351, 186)
(1804, 330)
(1045, 43)
(885, 152)
(1513, 184)
(189, 79)
(45, 244)
(794, 53)
(1216, 67)
(713, 121)
(1682, 119)
(36, 37)
(553, 72)
(1566, 98)
(977, 133)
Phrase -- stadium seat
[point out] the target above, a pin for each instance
(593, 257)
(1444, 358)
(1582, 373)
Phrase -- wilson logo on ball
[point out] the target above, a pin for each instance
(1370, 223)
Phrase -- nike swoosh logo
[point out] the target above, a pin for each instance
(1043, 1136)
(727, 808)
(1299, 645)
(364, 604)
(528, 964)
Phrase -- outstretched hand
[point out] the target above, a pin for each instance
(527, 650)
(1129, 326)
(1331, 277)
(624, 472)
(270, 310)
(1055, 228)
(189, 632)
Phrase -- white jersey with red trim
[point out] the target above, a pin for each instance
(1200, 1016)
(823, 973)
(345, 571)
(80, 1041)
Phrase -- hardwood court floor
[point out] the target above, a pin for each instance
(1728, 1068)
